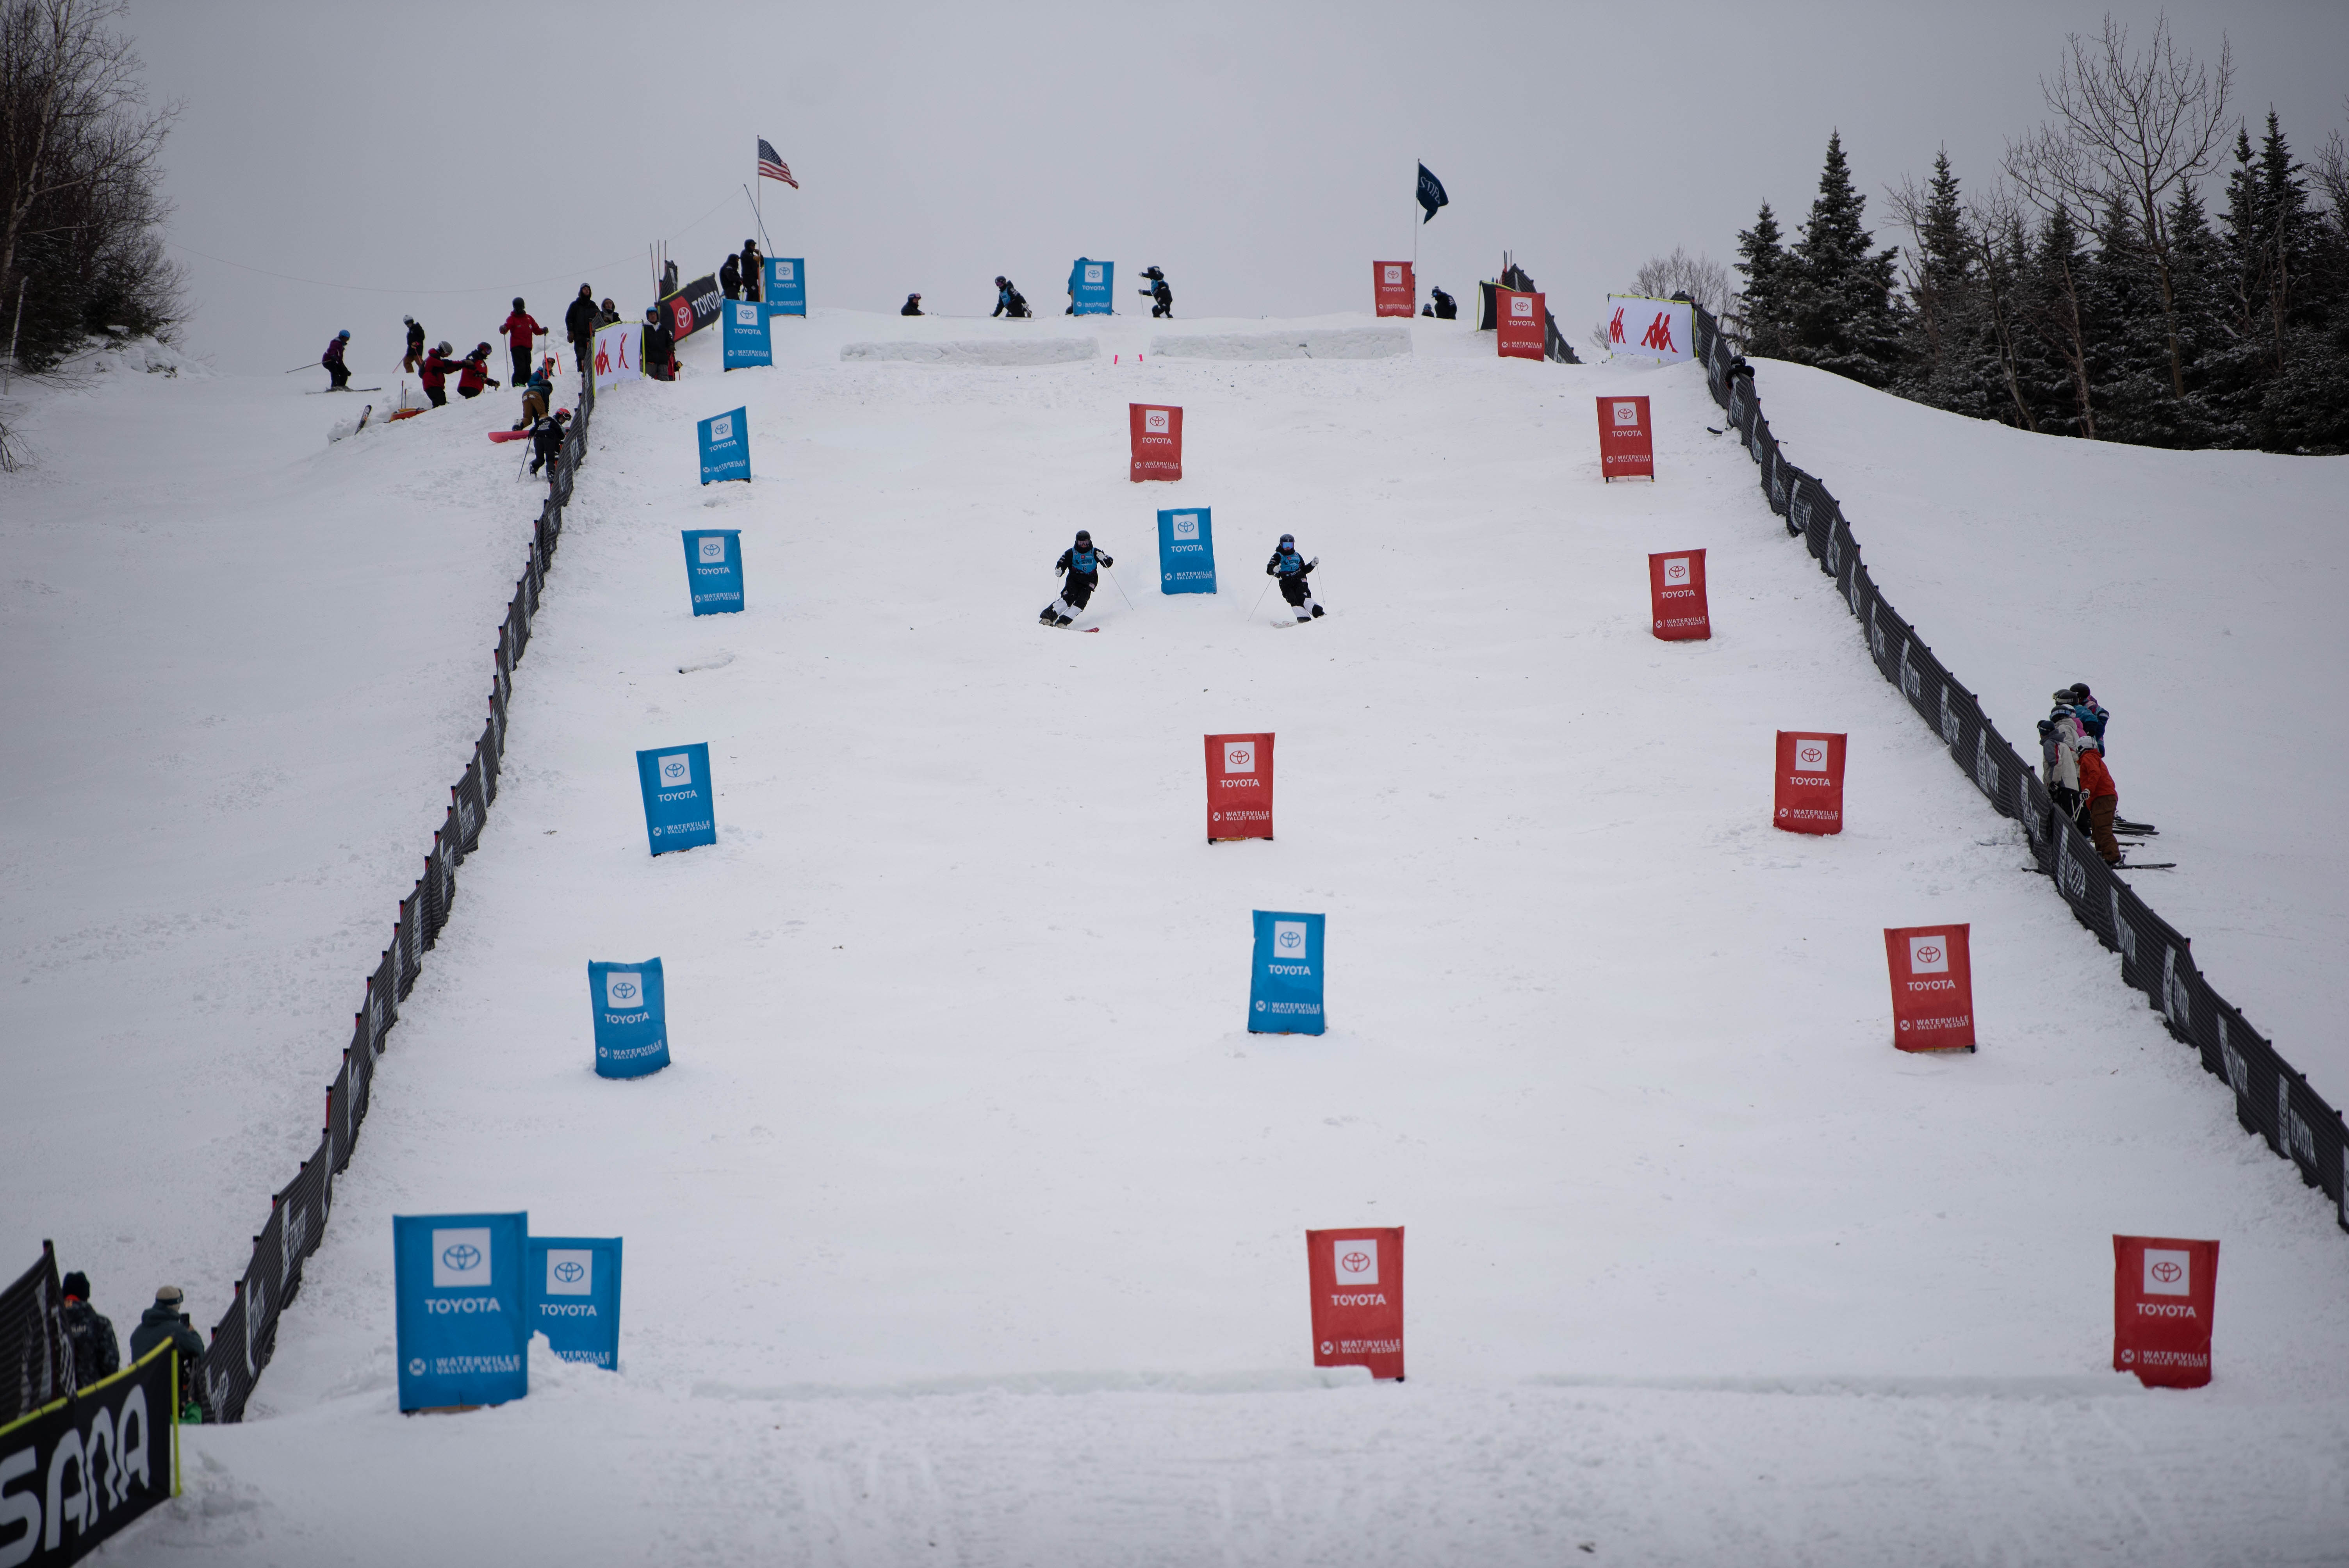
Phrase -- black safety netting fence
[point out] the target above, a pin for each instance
(243, 1340)
(37, 1362)
(2272, 1099)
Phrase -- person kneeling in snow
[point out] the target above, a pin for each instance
(474, 374)
(1082, 563)
(546, 439)
(1290, 569)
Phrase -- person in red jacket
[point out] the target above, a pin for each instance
(521, 332)
(435, 373)
(475, 372)
(2104, 799)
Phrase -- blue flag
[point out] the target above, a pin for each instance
(574, 1296)
(1186, 550)
(725, 446)
(1088, 284)
(679, 801)
(631, 1007)
(744, 339)
(786, 286)
(1285, 986)
(458, 1292)
(713, 569)
(1431, 193)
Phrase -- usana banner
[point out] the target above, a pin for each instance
(80, 1468)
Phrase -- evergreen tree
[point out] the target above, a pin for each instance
(1944, 315)
(1841, 315)
(2195, 264)
(1763, 260)
(2052, 360)
(2128, 338)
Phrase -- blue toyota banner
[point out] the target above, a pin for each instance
(463, 1335)
(1088, 284)
(1285, 983)
(574, 1296)
(745, 337)
(679, 813)
(787, 286)
(1186, 550)
(713, 569)
(725, 446)
(631, 1006)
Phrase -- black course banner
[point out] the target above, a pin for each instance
(74, 1472)
(693, 307)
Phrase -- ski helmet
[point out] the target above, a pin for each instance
(409, 319)
(517, 302)
(345, 332)
(444, 347)
(1288, 541)
(563, 414)
(1083, 538)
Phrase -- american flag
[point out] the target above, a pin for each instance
(772, 165)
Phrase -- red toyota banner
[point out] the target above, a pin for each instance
(1239, 787)
(1521, 321)
(1394, 288)
(1932, 987)
(1676, 596)
(2163, 1290)
(1810, 781)
(1357, 1281)
(1627, 445)
(1157, 435)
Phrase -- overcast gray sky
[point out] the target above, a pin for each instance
(440, 158)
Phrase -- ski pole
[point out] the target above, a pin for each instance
(299, 368)
(1259, 600)
(1121, 589)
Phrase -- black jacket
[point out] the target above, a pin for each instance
(1068, 562)
(546, 437)
(1272, 569)
(97, 1353)
(913, 307)
(659, 341)
(729, 275)
(160, 1323)
(579, 321)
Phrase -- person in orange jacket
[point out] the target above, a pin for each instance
(520, 331)
(2104, 799)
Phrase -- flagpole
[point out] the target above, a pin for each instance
(1415, 229)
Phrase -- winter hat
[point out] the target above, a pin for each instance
(77, 1283)
(169, 1295)
(2080, 691)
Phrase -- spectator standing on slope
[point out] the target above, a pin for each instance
(729, 276)
(338, 374)
(97, 1353)
(579, 324)
(2092, 717)
(1290, 569)
(474, 373)
(2104, 800)
(607, 314)
(2059, 757)
(521, 331)
(755, 273)
(415, 356)
(1082, 564)
(546, 441)
(660, 344)
(435, 371)
(165, 1321)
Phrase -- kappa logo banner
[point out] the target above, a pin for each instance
(1932, 984)
(1090, 284)
(2163, 1293)
(1156, 436)
(1285, 986)
(713, 570)
(619, 353)
(1676, 602)
(74, 1471)
(1523, 322)
(1356, 1280)
(574, 1296)
(786, 290)
(631, 1006)
(1394, 288)
(678, 803)
(1809, 794)
(1239, 787)
(1627, 447)
(1186, 550)
(725, 446)
(463, 1333)
(745, 338)
(1648, 328)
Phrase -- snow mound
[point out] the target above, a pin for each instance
(1340, 343)
(1034, 351)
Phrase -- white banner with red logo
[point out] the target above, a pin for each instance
(1627, 447)
(1650, 328)
(1932, 987)
(1156, 437)
(1356, 1278)
(1809, 796)
(2163, 1292)
(619, 353)
(1239, 787)
(1394, 287)
(1521, 320)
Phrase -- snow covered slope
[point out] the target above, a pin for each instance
(966, 1227)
